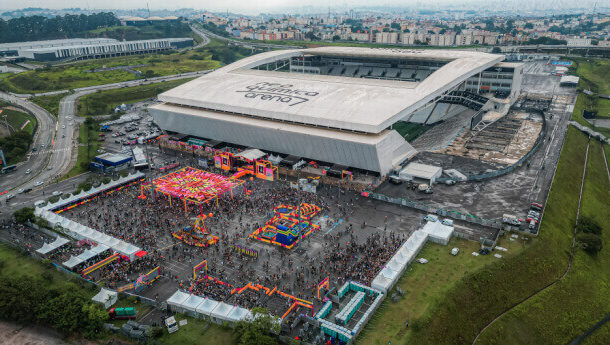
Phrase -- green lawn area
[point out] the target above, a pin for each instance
(17, 118)
(594, 75)
(50, 103)
(85, 153)
(410, 131)
(193, 333)
(461, 310)
(567, 309)
(425, 285)
(103, 102)
(16, 264)
(76, 75)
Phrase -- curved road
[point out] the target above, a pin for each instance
(53, 160)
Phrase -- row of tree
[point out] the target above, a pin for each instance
(35, 28)
(15, 146)
(35, 300)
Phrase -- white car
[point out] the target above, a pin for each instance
(28, 171)
(57, 193)
(20, 191)
(63, 126)
(38, 183)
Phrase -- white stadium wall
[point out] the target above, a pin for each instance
(373, 152)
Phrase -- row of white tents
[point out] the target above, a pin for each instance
(93, 191)
(79, 231)
(203, 308)
(47, 248)
(395, 267)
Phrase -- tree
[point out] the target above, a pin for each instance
(528, 26)
(588, 225)
(336, 38)
(24, 215)
(257, 331)
(590, 243)
(395, 26)
(150, 73)
(496, 50)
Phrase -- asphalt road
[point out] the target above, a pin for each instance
(45, 134)
(58, 136)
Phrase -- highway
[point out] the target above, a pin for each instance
(59, 137)
(246, 44)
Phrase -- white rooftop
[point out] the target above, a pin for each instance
(358, 104)
(419, 170)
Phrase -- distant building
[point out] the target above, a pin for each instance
(578, 42)
(98, 48)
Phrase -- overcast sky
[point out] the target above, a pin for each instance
(252, 7)
(244, 6)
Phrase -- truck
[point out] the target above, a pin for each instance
(171, 324)
(122, 313)
(424, 188)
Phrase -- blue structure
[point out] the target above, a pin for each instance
(111, 161)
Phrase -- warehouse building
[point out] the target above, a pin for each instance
(331, 104)
(90, 48)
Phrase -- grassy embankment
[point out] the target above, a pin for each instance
(15, 142)
(104, 101)
(594, 76)
(426, 284)
(458, 312)
(88, 135)
(581, 299)
(50, 103)
(77, 74)
(16, 119)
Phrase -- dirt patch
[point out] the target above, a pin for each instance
(14, 334)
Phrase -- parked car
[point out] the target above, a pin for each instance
(28, 171)
(57, 193)
(38, 183)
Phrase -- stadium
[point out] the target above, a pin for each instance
(338, 104)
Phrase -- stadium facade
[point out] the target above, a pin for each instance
(335, 104)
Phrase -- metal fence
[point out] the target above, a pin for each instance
(438, 210)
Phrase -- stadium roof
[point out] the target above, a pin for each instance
(357, 104)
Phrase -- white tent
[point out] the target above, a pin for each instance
(49, 247)
(438, 232)
(206, 307)
(72, 262)
(106, 297)
(176, 300)
(191, 304)
(381, 283)
(221, 312)
(238, 314)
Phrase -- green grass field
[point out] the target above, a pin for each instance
(75, 75)
(410, 131)
(17, 118)
(103, 102)
(50, 103)
(567, 309)
(16, 264)
(594, 75)
(425, 285)
(85, 153)
(193, 333)
(464, 308)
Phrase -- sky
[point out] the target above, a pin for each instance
(253, 7)
(242, 6)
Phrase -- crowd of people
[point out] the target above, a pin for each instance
(343, 255)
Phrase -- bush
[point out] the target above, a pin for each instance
(590, 243)
(588, 225)
(24, 215)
